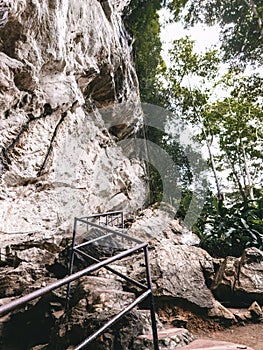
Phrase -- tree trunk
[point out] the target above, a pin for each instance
(236, 178)
(249, 182)
(212, 160)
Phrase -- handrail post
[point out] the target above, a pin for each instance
(122, 221)
(71, 261)
(140, 246)
(152, 305)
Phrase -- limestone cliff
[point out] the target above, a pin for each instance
(69, 101)
(68, 95)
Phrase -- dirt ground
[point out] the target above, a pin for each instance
(250, 335)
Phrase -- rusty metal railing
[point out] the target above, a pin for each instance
(105, 233)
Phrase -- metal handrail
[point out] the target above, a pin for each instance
(76, 249)
(106, 228)
(6, 308)
(112, 215)
(103, 214)
(128, 279)
(114, 320)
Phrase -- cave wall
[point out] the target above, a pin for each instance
(68, 96)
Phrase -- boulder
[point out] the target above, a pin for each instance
(14, 282)
(222, 313)
(25, 261)
(179, 271)
(255, 311)
(157, 226)
(239, 281)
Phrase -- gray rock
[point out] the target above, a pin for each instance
(221, 313)
(239, 281)
(14, 282)
(158, 227)
(241, 315)
(255, 311)
(95, 309)
(179, 271)
(59, 107)
(3, 15)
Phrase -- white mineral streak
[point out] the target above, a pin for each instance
(62, 61)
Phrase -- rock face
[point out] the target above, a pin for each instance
(239, 281)
(179, 271)
(157, 227)
(68, 94)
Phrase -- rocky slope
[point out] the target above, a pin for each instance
(183, 276)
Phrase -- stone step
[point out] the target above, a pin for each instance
(204, 344)
(169, 339)
(102, 300)
(108, 274)
(93, 282)
(145, 316)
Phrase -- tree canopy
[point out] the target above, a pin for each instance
(142, 22)
(241, 23)
(229, 124)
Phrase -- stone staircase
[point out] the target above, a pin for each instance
(105, 293)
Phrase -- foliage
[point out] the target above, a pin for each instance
(237, 124)
(228, 230)
(232, 218)
(142, 22)
(180, 167)
(185, 98)
(240, 22)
